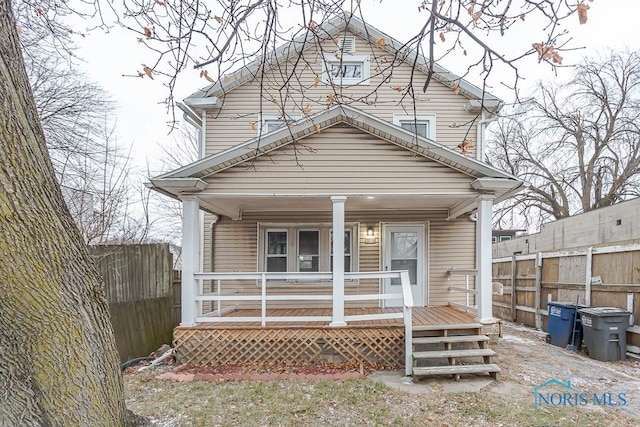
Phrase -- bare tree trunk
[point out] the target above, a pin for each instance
(58, 360)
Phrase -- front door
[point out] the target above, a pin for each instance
(404, 249)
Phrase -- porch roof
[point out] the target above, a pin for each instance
(190, 178)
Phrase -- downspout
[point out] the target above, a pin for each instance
(480, 129)
(202, 137)
(199, 122)
(214, 221)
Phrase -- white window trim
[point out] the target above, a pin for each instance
(420, 118)
(347, 59)
(292, 230)
(263, 118)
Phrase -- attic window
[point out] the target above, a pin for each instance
(347, 44)
(345, 69)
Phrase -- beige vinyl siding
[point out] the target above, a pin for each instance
(450, 244)
(234, 248)
(237, 120)
(339, 159)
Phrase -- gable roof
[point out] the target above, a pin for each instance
(352, 116)
(335, 26)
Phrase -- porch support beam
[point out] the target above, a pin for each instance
(483, 259)
(190, 258)
(461, 208)
(338, 261)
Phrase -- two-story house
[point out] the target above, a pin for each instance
(337, 211)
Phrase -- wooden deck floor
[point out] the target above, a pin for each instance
(437, 315)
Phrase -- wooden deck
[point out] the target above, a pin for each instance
(438, 315)
(377, 341)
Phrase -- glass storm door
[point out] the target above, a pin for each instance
(404, 249)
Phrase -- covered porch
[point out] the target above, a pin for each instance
(378, 316)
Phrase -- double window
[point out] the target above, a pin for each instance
(424, 125)
(303, 248)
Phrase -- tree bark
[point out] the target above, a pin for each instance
(58, 360)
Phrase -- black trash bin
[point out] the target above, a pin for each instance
(605, 332)
(560, 324)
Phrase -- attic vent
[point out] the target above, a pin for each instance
(347, 44)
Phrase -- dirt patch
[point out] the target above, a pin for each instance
(528, 361)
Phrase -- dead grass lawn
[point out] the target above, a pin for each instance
(360, 402)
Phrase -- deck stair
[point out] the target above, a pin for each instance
(452, 349)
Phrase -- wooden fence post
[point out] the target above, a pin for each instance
(514, 298)
(538, 316)
(587, 283)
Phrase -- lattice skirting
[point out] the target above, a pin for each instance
(208, 347)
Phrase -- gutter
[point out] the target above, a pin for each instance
(482, 124)
(199, 122)
(523, 186)
(189, 114)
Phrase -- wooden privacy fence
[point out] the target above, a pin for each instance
(139, 288)
(607, 276)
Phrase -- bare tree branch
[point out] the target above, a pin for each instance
(577, 143)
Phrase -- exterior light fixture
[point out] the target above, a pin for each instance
(370, 239)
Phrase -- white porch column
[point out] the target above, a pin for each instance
(483, 259)
(338, 260)
(190, 258)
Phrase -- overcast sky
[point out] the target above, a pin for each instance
(141, 118)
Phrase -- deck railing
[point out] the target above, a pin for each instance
(217, 296)
(467, 290)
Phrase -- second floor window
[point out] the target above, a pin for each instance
(271, 122)
(423, 125)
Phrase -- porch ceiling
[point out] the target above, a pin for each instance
(234, 205)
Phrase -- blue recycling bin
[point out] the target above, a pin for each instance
(560, 324)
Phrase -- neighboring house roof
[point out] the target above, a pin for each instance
(334, 27)
(191, 176)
